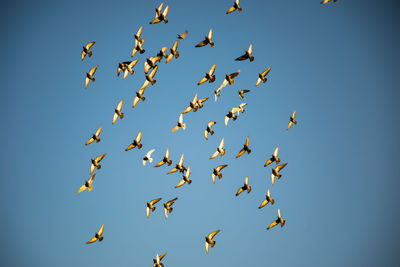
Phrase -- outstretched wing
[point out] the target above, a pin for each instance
(242, 57)
(214, 155)
(241, 152)
(210, 33)
(211, 236)
(92, 71)
(89, 141)
(266, 72)
(94, 239)
(83, 187)
(182, 182)
(203, 80)
(202, 43)
(273, 224)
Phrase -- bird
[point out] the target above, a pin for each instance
(97, 236)
(149, 78)
(138, 34)
(209, 240)
(160, 16)
(86, 50)
(150, 206)
(121, 67)
(244, 187)
(292, 120)
(178, 167)
(275, 172)
(247, 55)
(327, 1)
(267, 200)
(231, 114)
(150, 63)
(273, 158)
(241, 109)
(228, 79)
(161, 54)
(88, 184)
(208, 129)
(244, 149)
(95, 136)
(168, 208)
(210, 77)
(136, 142)
(183, 35)
(201, 101)
(165, 160)
(217, 172)
(157, 261)
(139, 96)
(185, 178)
(279, 220)
(179, 124)
(234, 7)
(148, 157)
(95, 163)
(138, 47)
(173, 52)
(207, 40)
(129, 67)
(242, 92)
(117, 112)
(89, 76)
(220, 150)
(192, 105)
(262, 76)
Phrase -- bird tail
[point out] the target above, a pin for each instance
(240, 9)
(101, 238)
(213, 244)
(139, 146)
(176, 54)
(248, 151)
(272, 201)
(122, 115)
(248, 189)
(251, 58)
(169, 162)
(219, 175)
(211, 132)
(98, 140)
(223, 152)
(98, 166)
(89, 53)
(279, 175)
(153, 82)
(143, 98)
(189, 182)
(264, 80)
(211, 43)
(212, 79)
(93, 79)
(278, 161)
(142, 51)
(166, 21)
(90, 188)
(295, 122)
(184, 126)
(153, 208)
(151, 160)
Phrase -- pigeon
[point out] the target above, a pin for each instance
(86, 50)
(192, 105)
(139, 96)
(178, 167)
(279, 220)
(275, 172)
(88, 184)
(183, 35)
(127, 67)
(179, 124)
(207, 40)
(273, 158)
(242, 92)
(150, 206)
(209, 130)
(217, 172)
(267, 200)
(244, 149)
(89, 76)
(150, 63)
(97, 236)
(95, 163)
(160, 16)
(157, 261)
(168, 208)
(138, 47)
(228, 79)
(136, 142)
(173, 52)
(292, 120)
(210, 77)
(138, 34)
(185, 178)
(247, 55)
(165, 160)
(117, 112)
(234, 7)
(148, 157)
(241, 109)
(262, 76)
(220, 150)
(327, 1)
(95, 136)
(209, 240)
(231, 114)
(244, 187)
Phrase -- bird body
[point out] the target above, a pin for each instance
(242, 92)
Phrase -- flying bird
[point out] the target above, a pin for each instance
(139, 96)
(207, 40)
(208, 130)
(88, 184)
(95, 163)
(242, 92)
(220, 150)
(160, 16)
(241, 107)
(209, 240)
(173, 52)
(89, 76)
(183, 35)
(179, 124)
(244, 149)
(138, 47)
(231, 114)
(247, 55)
(185, 178)
(273, 158)
(267, 200)
(327, 1)
(275, 172)
(165, 160)
(149, 79)
(148, 157)
(86, 50)
(210, 77)
(192, 105)
(228, 79)
(217, 172)
(279, 220)
(157, 261)
(136, 142)
(138, 34)
(168, 208)
(161, 54)
(292, 120)
(234, 7)
(178, 167)
(262, 76)
(150, 63)
(201, 101)
(127, 67)
(97, 236)
(150, 206)
(244, 187)
(95, 136)
(117, 112)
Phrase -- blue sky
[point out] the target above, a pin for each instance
(336, 64)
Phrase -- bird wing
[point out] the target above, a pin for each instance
(166, 213)
(206, 134)
(268, 193)
(226, 120)
(89, 141)
(149, 153)
(82, 188)
(250, 50)
(90, 181)
(83, 54)
(172, 201)
(139, 137)
(247, 141)
(115, 117)
(221, 145)
(202, 43)
(241, 152)
(276, 151)
(280, 167)
(158, 10)
(231, 9)
(183, 35)
(235, 74)
(175, 46)
(135, 101)
(265, 202)
(94, 239)
(162, 256)
(92, 71)
(154, 201)
(210, 33)
(266, 72)
(269, 161)
(294, 114)
(170, 56)
(99, 158)
(139, 32)
(272, 224)
(175, 128)
(100, 232)
(147, 67)
(182, 182)
(167, 153)
(211, 236)
(160, 163)
(203, 100)
(119, 107)
(212, 70)
(187, 174)
(214, 155)
(272, 178)
(242, 57)
(92, 167)
(207, 246)
(203, 80)
(181, 118)
(89, 45)
(144, 86)
(289, 125)
(156, 20)
(210, 124)
(165, 12)
(213, 177)
(220, 167)
(181, 160)
(87, 82)
(188, 109)
(126, 72)
(147, 212)
(98, 131)
(154, 71)
(173, 170)
(242, 105)
(258, 81)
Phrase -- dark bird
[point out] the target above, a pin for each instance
(217, 172)
(136, 142)
(244, 149)
(95, 136)
(234, 7)
(87, 185)
(262, 76)
(279, 220)
(95, 163)
(247, 54)
(86, 50)
(292, 120)
(165, 160)
(183, 35)
(97, 236)
(168, 208)
(210, 77)
(207, 40)
(267, 200)
(244, 187)
(275, 172)
(242, 92)
(208, 130)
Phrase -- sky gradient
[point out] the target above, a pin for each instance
(336, 64)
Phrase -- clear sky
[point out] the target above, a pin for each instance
(336, 64)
